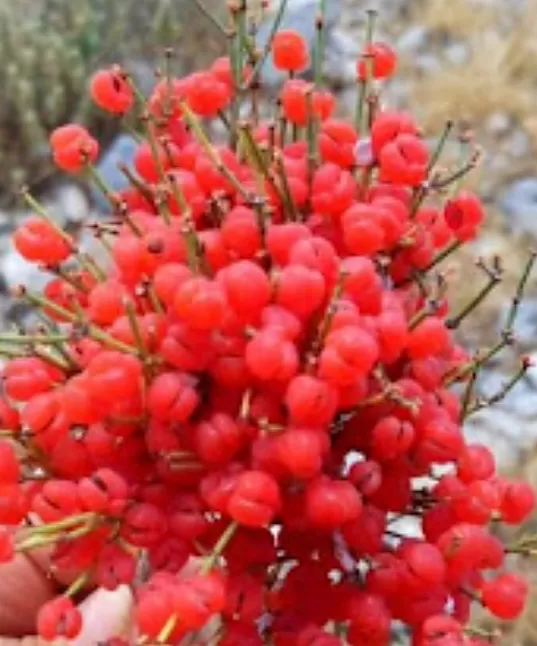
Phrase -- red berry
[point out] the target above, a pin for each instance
(332, 503)
(517, 501)
(111, 91)
(349, 353)
(255, 499)
(289, 51)
(207, 95)
(430, 337)
(404, 161)
(387, 126)
(73, 147)
(464, 215)
(241, 233)
(310, 401)
(59, 618)
(113, 375)
(247, 288)
(9, 465)
(201, 303)
(301, 452)
(309, 283)
(505, 596)
(380, 58)
(337, 140)
(39, 241)
(217, 439)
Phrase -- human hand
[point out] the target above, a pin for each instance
(25, 586)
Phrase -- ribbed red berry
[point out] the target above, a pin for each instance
(111, 91)
(255, 499)
(73, 147)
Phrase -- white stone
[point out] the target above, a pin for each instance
(67, 203)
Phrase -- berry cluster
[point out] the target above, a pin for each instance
(263, 377)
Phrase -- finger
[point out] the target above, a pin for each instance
(24, 588)
(106, 614)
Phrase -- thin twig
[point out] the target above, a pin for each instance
(266, 50)
(210, 16)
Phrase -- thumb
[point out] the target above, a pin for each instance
(105, 614)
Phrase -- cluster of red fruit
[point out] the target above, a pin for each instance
(258, 379)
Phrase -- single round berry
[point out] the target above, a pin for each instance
(111, 91)
(289, 51)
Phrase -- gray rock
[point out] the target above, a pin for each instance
(498, 123)
(412, 40)
(143, 74)
(505, 433)
(428, 64)
(15, 271)
(340, 59)
(457, 53)
(517, 144)
(300, 15)
(8, 222)
(522, 400)
(67, 203)
(509, 427)
(525, 324)
(121, 151)
(519, 203)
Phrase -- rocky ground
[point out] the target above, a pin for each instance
(464, 60)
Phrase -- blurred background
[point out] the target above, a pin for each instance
(472, 61)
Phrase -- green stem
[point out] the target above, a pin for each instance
(210, 16)
(257, 159)
(289, 202)
(457, 175)
(79, 583)
(311, 138)
(326, 322)
(320, 43)
(467, 398)
(136, 330)
(442, 255)
(361, 116)
(503, 392)
(42, 213)
(65, 523)
(454, 322)
(93, 331)
(41, 339)
(220, 546)
(96, 177)
(196, 128)
(153, 144)
(254, 78)
(440, 146)
(520, 291)
(480, 360)
(167, 630)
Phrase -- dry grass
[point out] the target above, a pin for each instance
(498, 77)
(500, 74)
(460, 17)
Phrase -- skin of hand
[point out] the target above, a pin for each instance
(24, 587)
